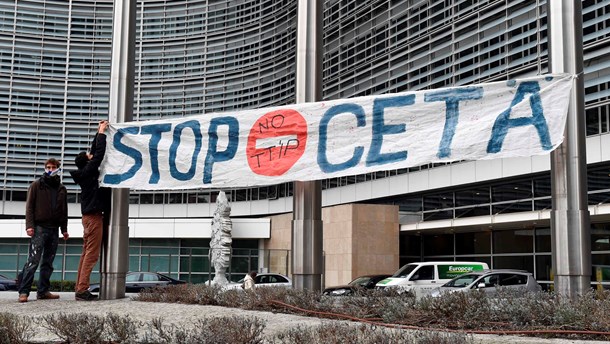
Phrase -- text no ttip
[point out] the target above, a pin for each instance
(276, 142)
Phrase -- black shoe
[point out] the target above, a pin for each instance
(85, 296)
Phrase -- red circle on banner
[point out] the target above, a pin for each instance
(276, 142)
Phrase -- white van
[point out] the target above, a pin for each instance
(421, 278)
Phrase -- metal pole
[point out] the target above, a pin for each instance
(190, 263)
(115, 258)
(210, 268)
(307, 199)
(63, 265)
(570, 228)
(287, 257)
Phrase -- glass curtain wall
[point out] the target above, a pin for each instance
(524, 248)
(525, 194)
(185, 259)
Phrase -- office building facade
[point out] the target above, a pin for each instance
(196, 57)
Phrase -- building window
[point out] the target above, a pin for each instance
(472, 196)
(473, 243)
(438, 245)
(543, 240)
(508, 191)
(19, 196)
(514, 262)
(592, 117)
(513, 241)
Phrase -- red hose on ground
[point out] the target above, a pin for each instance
(410, 327)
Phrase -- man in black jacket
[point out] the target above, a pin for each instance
(46, 210)
(95, 203)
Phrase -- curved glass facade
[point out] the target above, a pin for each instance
(195, 57)
(192, 57)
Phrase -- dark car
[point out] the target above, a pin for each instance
(360, 283)
(136, 281)
(7, 283)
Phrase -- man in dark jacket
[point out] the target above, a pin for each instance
(95, 202)
(46, 211)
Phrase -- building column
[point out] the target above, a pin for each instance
(570, 227)
(307, 250)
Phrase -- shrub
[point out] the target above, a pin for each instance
(219, 330)
(339, 333)
(57, 286)
(182, 293)
(14, 330)
(121, 329)
(75, 328)
(507, 310)
(63, 286)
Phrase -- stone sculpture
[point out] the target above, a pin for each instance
(220, 244)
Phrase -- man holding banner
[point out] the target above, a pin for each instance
(94, 204)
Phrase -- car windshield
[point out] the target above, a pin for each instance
(361, 281)
(404, 271)
(461, 281)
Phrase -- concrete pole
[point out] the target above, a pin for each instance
(570, 228)
(307, 249)
(115, 250)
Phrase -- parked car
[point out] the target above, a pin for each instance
(421, 278)
(136, 281)
(7, 283)
(265, 280)
(489, 281)
(359, 283)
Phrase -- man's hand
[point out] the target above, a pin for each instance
(66, 235)
(30, 231)
(102, 127)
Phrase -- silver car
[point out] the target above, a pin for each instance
(489, 281)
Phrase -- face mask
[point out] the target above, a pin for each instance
(53, 173)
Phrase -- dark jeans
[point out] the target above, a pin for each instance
(42, 245)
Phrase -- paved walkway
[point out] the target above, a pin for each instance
(183, 315)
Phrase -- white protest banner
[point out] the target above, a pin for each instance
(326, 139)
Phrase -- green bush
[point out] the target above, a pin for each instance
(67, 286)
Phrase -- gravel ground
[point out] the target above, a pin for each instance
(183, 315)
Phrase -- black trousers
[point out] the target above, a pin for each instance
(43, 246)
